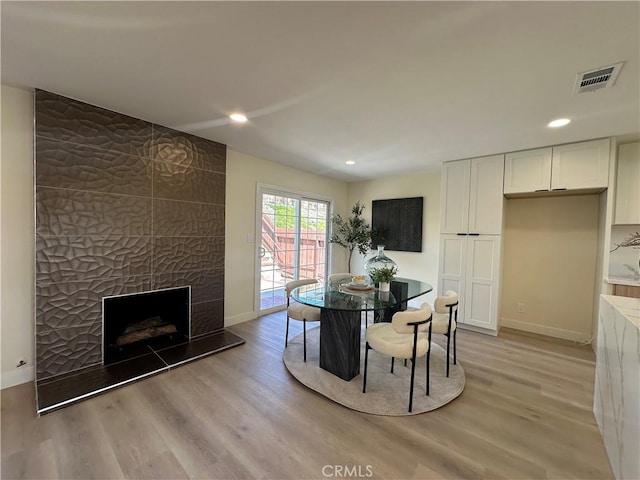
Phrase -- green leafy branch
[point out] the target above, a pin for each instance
(351, 233)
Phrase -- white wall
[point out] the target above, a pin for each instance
(418, 265)
(17, 262)
(550, 264)
(244, 172)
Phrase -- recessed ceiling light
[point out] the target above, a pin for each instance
(350, 162)
(238, 117)
(559, 122)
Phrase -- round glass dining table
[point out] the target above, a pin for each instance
(341, 306)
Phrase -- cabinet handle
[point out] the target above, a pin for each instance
(462, 234)
(557, 189)
(543, 190)
(474, 234)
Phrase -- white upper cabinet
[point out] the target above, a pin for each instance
(627, 206)
(528, 171)
(454, 197)
(575, 166)
(581, 165)
(471, 197)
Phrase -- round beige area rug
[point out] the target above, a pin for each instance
(387, 393)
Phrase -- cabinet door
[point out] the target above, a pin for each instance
(454, 197)
(451, 268)
(628, 184)
(528, 171)
(580, 165)
(485, 195)
(481, 281)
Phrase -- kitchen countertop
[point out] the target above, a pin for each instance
(617, 383)
(627, 306)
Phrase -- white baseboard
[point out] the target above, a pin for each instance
(545, 330)
(473, 328)
(16, 376)
(236, 319)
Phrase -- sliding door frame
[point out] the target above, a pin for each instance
(261, 189)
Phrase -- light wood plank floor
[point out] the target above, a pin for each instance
(525, 414)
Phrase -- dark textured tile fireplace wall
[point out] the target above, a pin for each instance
(122, 206)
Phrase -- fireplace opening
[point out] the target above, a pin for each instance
(132, 324)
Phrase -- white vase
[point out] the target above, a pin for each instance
(384, 286)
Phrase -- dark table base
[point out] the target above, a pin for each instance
(340, 342)
(399, 290)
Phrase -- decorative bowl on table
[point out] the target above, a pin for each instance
(359, 280)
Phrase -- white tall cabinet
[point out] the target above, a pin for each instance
(627, 199)
(471, 215)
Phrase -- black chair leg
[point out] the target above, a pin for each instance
(454, 346)
(286, 335)
(366, 360)
(304, 339)
(392, 359)
(413, 372)
(428, 362)
(448, 344)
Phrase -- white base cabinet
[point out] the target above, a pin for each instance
(470, 265)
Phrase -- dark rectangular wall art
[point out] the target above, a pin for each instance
(397, 223)
(122, 206)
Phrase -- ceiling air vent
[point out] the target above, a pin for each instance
(592, 80)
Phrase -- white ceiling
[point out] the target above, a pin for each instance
(396, 86)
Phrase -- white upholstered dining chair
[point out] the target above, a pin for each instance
(445, 320)
(408, 336)
(340, 277)
(300, 312)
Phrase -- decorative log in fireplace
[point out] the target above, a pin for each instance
(144, 329)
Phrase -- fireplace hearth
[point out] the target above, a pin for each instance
(59, 392)
(143, 334)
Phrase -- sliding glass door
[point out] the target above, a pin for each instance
(292, 243)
